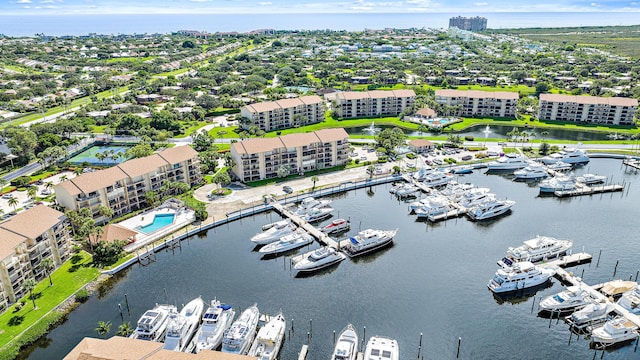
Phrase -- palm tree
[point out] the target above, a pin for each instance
(29, 285)
(77, 171)
(13, 202)
(105, 211)
(103, 328)
(48, 185)
(32, 191)
(125, 329)
(3, 183)
(544, 134)
(47, 265)
(100, 157)
(64, 177)
(314, 178)
(370, 171)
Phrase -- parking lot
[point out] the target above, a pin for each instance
(24, 202)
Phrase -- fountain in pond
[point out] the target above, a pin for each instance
(371, 129)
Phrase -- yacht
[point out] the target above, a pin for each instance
(531, 172)
(592, 314)
(238, 338)
(615, 331)
(309, 203)
(427, 202)
(476, 197)
(317, 214)
(630, 300)
(490, 209)
(436, 178)
(558, 183)
(407, 190)
(318, 259)
(519, 276)
(508, 162)
(336, 226)
(380, 347)
(183, 325)
(435, 207)
(539, 248)
(347, 345)
(287, 242)
(152, 325)
(454, 190)
(464, 169)
(560, 166)
(571, 299)
(369, 240)
(275, 232)
(397, 186)
(590, 179)
(215, 321)
(615, 288)
(570, 156)
(269, 339)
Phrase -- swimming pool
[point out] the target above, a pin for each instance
(159, 221)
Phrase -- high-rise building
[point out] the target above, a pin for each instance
(476, 23)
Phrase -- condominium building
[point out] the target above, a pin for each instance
(26, 239)
(474, 103)
(283, 114)
(123, 187)
(476, 23)
(257, 159)
(353, 104)
(587, 109)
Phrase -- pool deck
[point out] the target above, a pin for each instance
(183, 217)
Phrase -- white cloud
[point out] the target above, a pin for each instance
(24, 1)
(481, 4)
(265, 3)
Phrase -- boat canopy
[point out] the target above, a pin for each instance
(353, 241)
(224, 307)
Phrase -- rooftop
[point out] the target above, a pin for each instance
(613, 101)
(33, 222)
(260, 145)
(477, 94)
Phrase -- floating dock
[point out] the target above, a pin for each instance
(589, 190)
(632, 163)
(568, 277)
(312, 230)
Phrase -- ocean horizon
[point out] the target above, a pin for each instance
(59, 25)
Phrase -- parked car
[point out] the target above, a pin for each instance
(7, 196)
(287, 189)
(467, 158)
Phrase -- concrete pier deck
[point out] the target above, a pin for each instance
(589, 190)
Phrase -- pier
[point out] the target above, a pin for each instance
(634, 163)
(570, 278)
(588, 190)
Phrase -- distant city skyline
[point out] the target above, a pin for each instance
(102, 7)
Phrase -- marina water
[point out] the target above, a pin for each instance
(432, 281)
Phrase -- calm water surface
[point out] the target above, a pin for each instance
(432, 281)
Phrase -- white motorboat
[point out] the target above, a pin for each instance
(590, 179)
(288, 242)
(152, 325)
(615, 331)
(382, 348)
(560, 166)
(407, 190)
(539, 248)
(317, 214)
(426, 202)
(318, 259)
(336, 226)
(369, 240)
(490, 209)
(435, 207)
(275, 232)
(519, 276)
(454, 190)
(476, 197)
(269, 339)
(592, 314)
(183, 325)
(464, 169)
(508, 162)
(421, 173)
(630, 300)
(558, 183)
(570, 156)
(238, 338)
(395, 187)
(570, 299)
(347, 345)
(531, 172)
(309, 203)
(215, 321)
(436, 178)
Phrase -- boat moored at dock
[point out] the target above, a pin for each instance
(336, 226)
(317, 214)
(152, 325)
(490, 209)
(346, 347)
(380, 347)
(508, 162)
(318, 259)
(591, 314)
(369, 240)
(617, 330)
(570, 299)
(215, 321)
(539, 248)
(287, 243)
(183, 325)
(275, 232)
(519, 276)
(239, 337)
(267, 344)
(570, 156)
(630, 300)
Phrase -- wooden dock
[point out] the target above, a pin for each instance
(632, 163)
(312, 230)
(570, 278)
(303, 352)
(458, 210)
(589, 190)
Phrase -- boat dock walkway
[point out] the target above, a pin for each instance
(634, 163)
(589, 190)
(570, 278)
(312, 230)
(457, 209)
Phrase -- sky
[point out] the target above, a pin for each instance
(70, 7)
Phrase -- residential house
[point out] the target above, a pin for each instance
(421, 145)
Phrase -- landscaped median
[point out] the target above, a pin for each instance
(24, 326)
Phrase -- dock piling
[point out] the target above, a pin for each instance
(598, 262)
(120, 309)
(533, 303)
(310, 326)
(637, 272)
(582, 276)
(636, 347)
(334, 337)
(364, 336)
(570, 335)
(126, 301)
(615, 269)
(458, 353)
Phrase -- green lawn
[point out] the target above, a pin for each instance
(67, 279)
(191, 128)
